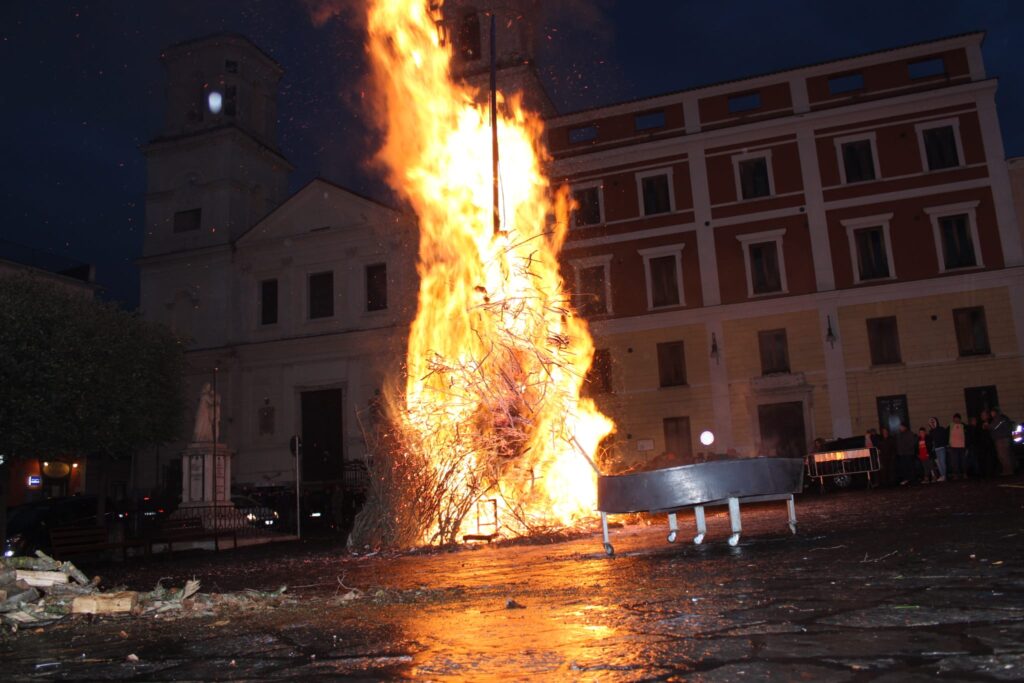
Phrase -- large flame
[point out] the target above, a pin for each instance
(496, 356)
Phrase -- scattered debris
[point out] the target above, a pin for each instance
(133, 658)
(512, 604)
(39, 591)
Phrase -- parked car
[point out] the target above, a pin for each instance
(256, 514)
(28, 525)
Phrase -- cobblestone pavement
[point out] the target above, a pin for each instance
(905, 584)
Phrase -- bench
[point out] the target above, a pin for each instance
(71, 541)
(190, 529)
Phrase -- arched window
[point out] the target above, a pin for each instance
(467, 36)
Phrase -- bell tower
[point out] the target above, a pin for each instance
(215, 168)
(467, 24)
(213, 171)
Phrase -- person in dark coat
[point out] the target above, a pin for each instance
(906, 454)
(887, 458)
(1001, 431)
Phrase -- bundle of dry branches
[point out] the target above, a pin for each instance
(426, 474)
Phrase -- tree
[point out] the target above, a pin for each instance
(79, 376)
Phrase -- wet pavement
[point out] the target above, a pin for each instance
(905, 584)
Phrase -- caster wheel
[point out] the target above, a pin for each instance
(609, 550)
(671, 537)
(792, 527)
(698, 539)
(734, 540)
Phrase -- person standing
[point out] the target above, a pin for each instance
(906, 455)
(925, 456)
(957, 448)
(939, 439)
(887, 458)
(1001, 430)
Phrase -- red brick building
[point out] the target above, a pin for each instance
(808, 253)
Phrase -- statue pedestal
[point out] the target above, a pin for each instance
(206, 475)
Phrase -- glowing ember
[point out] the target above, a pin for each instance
(496, 356)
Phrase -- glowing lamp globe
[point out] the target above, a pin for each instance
(214, 101)
(707, 438)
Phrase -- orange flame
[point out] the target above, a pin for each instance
(496, 356)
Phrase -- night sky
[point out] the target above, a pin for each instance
(83, 87)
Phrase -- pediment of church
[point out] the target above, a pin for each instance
(318, 206)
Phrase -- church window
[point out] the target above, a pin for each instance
(377, 287)
(321, 295)
(268, 302)
(188, 221)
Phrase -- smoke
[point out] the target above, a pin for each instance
(351, 12)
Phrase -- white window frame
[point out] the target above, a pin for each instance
(749, 238)
(937, 213)
(859, 137)
(852, 225)
(675, 250)
(573, 188)
(746, 156)
(920, 128)
(592, 262)
(640, 190)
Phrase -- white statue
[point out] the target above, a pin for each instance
(207, 425)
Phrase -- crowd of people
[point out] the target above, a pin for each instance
(937, 453)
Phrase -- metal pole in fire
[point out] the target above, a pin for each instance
(494, 119)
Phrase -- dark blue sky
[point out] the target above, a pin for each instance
(83, 87)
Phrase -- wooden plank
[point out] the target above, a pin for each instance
(105, 603)
(42, 579)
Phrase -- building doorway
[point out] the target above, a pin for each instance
(783, 432)
(677, 438)
(978, 399)
(892, 412)
(322, 436)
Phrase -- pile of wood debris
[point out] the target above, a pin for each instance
(39, 591)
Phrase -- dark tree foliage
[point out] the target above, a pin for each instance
(79, 376)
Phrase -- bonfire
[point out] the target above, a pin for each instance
(490, 408)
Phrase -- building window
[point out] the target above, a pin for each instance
(649, 120)
(663, 269)
(745, 102)
(467, 37)
(940, 144)
(971, 331)
(321, 295)
(268, 302)
(926, 68)
(774, 351)
(599, 377)
(188, 221)
(593, 286)
(765, 264)
(582, 134)
(857, 160)
(230, 100)
(588, 209)
(753, 175)
(671, 364)
(837, 85)
(655, 192)
(955, 228)
(870, 248)
(376, 287)
(884, 340)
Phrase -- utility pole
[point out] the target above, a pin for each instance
(494, 120)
